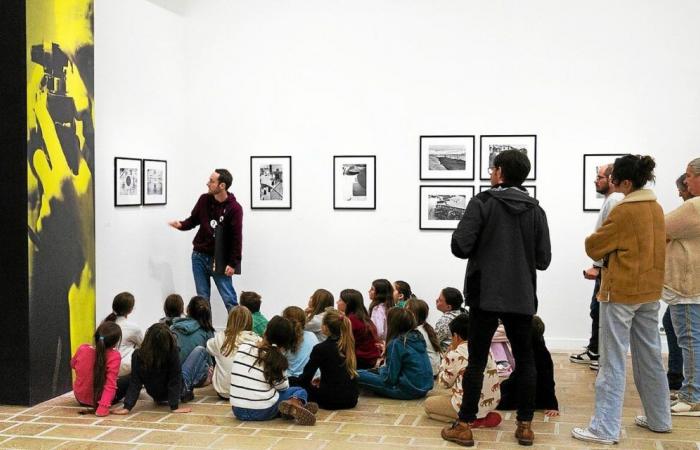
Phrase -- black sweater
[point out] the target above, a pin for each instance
(336, 390)
(163, 384)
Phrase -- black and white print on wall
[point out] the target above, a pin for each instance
(492, 145)
(442, 207)
(592, 200)
(127, 181)
(447, 157)
(271, 182)
(354, 182)
(155, 184)
(530, 188)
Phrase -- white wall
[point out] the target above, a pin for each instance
(320, 78)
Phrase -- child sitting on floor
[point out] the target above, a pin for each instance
(319, 301)
(449, 303)
(367, 345)
(420, 311)
(444, 407)
(173, 307)
(300, 349)
(252, 301)
(132, 336)
(407, 373)
(402, 293)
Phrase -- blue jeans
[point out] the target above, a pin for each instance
(675, 355)
(373, 381)
(686, 321)
(195, 368)
(201, 269)
(635, 326)
(273, 411)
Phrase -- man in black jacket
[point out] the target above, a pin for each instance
(505, 237)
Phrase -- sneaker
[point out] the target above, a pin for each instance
(641, 421)
(459, 433)
(594, 365)
(293, 408)
(492, 419)
(524, 433)
(685, 408)
(583, 358)
(584, 434)
(311, 407)
(673, 396)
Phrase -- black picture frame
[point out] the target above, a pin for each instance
(278, 191)
(424, 192)
(128, 179)
(352, 201)
(592, 201)
(529, 141)
(531, 189)
(154, 190)
(446, 173)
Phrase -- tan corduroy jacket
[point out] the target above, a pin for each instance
(683, 250)
(633, 243)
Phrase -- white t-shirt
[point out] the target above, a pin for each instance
(132, 337)
(222, 372)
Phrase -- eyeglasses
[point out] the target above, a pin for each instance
(600, 177)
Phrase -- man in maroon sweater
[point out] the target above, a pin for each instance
(217, 244)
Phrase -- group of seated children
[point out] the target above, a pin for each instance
(304, 359)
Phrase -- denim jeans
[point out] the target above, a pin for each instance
(595, 315)
(675, 355)
(482, 326)
(635, 326)
(195, 368)
(273, 411)
(371, 380)
(686, 321)
(201, 269)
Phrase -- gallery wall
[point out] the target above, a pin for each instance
(218, 81)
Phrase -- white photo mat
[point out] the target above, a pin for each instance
(354, 182)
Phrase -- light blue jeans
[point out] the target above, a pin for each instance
(201, 269)
(686, 322)
(635, 326)
(195, 368)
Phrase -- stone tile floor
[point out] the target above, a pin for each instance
(374, 423)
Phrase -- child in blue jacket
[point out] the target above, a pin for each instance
(407, 373)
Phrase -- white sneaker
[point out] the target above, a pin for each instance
(641, 421)
(584, 434)
(684, 408)
(594, 365)
(583, 358)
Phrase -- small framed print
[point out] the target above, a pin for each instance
(592, 200)
(155, 182)
(271, 182)
(530, 188)
(355, 182)
(127, 182)
(442, 207)
(447, 157)
(492, 145)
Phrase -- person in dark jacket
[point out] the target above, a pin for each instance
(407, 373)
(505, 236)
(545, 395)
(335, 358)
(156, 366)
(217, 245)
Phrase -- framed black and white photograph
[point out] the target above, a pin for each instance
(155, 182)
(354, 182)
(491, 145)
(530, 188)
(127, 182)
(442, 207)
(447, 157)
(271, 182)
(592, 200)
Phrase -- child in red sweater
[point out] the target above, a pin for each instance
(96, 369)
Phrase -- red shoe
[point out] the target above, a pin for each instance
(492, 419)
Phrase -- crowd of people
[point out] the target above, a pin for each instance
(472, 362)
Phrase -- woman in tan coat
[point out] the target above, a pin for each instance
(682, 290)
(631, 243)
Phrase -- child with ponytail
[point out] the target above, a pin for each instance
(259, 386)
(335, 358)
(420, 310)
(96, 369)
(132, 336)
(319, 301)
(300, 349)
(402, 293)
(407, 373)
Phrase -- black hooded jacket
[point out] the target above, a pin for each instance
(505, 237)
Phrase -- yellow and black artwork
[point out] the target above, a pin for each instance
(60, 166)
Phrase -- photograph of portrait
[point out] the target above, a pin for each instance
(271, 182)
(492, 145)
(447, 157)
(354, 182)
(442, 207)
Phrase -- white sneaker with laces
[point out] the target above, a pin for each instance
(641, 421)
(584, 434)
(583, 358)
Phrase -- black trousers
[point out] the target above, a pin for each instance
(595, 318)
(482, 326)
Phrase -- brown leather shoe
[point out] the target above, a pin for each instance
(524, 434)
(459, 433)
